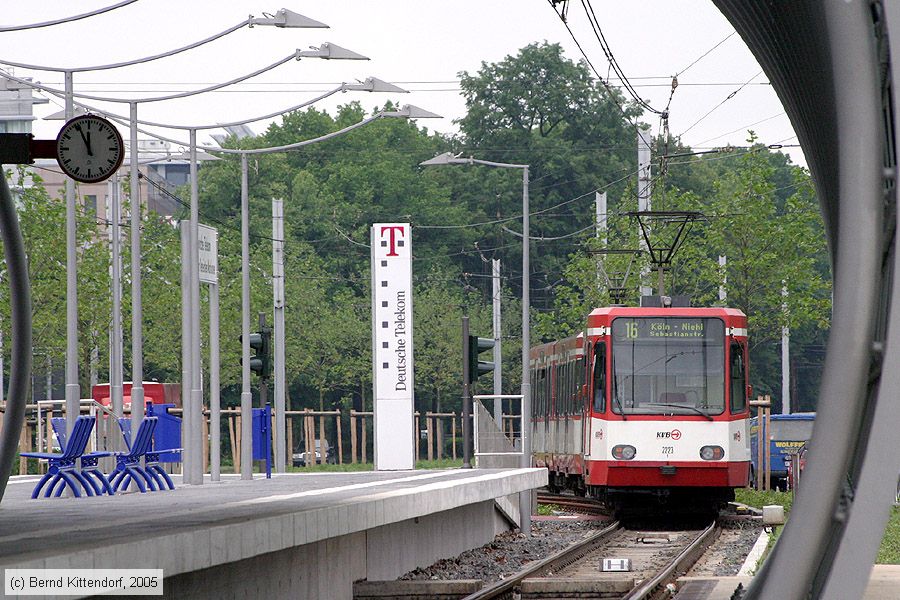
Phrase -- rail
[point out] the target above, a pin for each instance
(554, 563)
(680, 563)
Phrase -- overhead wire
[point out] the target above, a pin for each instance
(611, 59)
(727, 98)
(587, 59)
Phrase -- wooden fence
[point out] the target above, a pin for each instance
(307, 426)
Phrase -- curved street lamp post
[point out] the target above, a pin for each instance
(282, 18)
(525, 498)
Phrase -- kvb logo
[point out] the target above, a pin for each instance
(675, 434)
(392, 234)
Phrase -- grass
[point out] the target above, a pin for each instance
(888, 553)
(546, 509)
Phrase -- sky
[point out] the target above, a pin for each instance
(419, 45)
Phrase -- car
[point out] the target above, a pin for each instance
(300, 459)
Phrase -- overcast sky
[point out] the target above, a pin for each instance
(421, 45)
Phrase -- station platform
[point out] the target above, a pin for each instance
(297, 535)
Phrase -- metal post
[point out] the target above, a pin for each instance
(785, 358)
(278, 292)
(137, 314)
(498, 357)
(187, 424)
(246, 397)
(196, 474)
(115, 339)
(600, 220)
(723, 287)
(467, 398)
(73, 389)
(263, 402)
(215, 454)
(644, 190)
(525, 498)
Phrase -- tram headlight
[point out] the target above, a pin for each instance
(712, 453)
(623, 452)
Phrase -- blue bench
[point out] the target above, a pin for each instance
(89, 467)
(128, 464)
(63, 468)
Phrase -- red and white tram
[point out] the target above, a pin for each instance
(647, 409)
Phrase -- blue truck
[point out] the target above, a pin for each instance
(787, 435)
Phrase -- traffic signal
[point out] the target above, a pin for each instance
(479, 367)
(260, 344)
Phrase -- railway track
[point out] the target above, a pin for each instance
(615, 562)
(575, 504)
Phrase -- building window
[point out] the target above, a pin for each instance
(90, 204)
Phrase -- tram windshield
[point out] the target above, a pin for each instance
(668, 365)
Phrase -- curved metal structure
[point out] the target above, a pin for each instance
(831, 64)
(20, 317)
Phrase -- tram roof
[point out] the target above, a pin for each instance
(636, 311)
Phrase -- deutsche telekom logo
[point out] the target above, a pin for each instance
(392, 234)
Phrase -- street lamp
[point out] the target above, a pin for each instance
(370, 84)
(193, 393)
(282, 18)
(450, 159)
(406, 112)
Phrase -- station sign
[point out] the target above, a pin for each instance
(208, 250)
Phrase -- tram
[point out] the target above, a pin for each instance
(646, 409)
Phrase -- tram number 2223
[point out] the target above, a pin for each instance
(668, 449)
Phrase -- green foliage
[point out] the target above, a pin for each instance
(534, 107)
(758, 499)
(546, 510)
(889, 553)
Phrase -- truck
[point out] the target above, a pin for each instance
(788, 435)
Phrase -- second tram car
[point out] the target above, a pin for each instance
(647, 409)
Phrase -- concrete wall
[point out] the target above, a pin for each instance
(327, 569)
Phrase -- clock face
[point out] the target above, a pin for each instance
(89, 148)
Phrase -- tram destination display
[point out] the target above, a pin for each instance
(667, 328)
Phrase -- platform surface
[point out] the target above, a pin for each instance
(195, 527)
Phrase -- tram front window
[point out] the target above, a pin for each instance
(668, 365)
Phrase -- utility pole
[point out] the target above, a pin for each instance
(723, 291)
(278, 291)
(785, 357)
(644, 191)
(498, 373)
(600, 220)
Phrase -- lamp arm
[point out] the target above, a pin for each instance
(71, 19)
(128, 63)
(211, 88)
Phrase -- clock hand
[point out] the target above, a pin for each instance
(86, 139)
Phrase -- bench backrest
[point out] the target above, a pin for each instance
(81, 435)
(59, 428)
(144, 437)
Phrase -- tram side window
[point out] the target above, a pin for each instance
(558, 385)
(600, 377)
(578, 381)
(738, 379)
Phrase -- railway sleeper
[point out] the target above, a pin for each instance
(567, 587)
